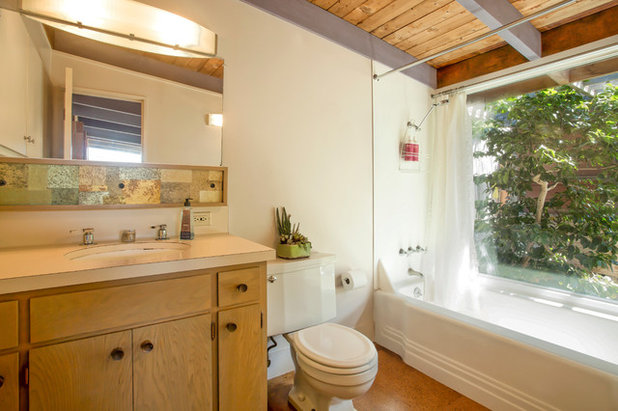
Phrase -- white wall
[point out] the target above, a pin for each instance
(308, 146)
(23, 85)
(175, 130)
(36, 228)
(400, 197)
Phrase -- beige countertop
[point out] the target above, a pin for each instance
(34, 268)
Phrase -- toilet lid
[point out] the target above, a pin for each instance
(335, 345)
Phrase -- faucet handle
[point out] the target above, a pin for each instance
(87, 236)
(161, 232)
(128, 236)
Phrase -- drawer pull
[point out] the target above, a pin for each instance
(117, 354)
(147, 346)
(272, 278)
(1, 381)
(231, 327)
(242, 288)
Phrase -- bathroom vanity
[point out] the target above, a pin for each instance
(153, 330)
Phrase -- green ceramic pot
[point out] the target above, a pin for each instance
(292, 251)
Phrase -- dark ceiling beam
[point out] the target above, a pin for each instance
(313, 18)
(525, 38)
(577, 33)
(117, 56)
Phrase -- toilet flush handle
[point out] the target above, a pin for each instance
(272, 278)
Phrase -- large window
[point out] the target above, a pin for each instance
(546, 172)
(107, 129)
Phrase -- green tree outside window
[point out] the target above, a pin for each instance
(550, 202)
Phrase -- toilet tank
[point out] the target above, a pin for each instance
(300, 292)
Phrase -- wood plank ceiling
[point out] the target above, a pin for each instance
(423, 28)
(210, 66)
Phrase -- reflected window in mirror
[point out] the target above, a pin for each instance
(106, 129)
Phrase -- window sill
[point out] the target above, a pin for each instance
(553, 297)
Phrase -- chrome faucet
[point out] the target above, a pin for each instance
(87, 235)
(128, 236)
(161, 232)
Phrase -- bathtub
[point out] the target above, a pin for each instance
(512, 353)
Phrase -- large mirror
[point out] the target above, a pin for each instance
(126, 105)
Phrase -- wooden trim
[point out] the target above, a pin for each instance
(313, 18)
(59, 161)
(224, 186)
(565, 37)
(73, 207)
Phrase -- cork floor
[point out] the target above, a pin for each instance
(397, 387)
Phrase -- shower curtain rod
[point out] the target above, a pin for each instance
(478, 38)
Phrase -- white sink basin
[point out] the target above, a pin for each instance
(128, 250)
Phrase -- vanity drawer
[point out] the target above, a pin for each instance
(239, 286)
(8, 325)
(64, 315)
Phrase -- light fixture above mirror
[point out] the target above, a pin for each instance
(125, 23)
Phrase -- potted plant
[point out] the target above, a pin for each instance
(292, 244)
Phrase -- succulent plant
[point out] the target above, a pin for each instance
(288, 233)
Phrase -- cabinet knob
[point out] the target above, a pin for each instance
(117, 354)
(242, 288)
(147, 346)
(272, 278)
(231, 327)
(1, 381)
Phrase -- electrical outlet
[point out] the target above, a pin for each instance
(202, 218)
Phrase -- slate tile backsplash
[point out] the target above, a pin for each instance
(23, 184)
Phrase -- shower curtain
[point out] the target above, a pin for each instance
(448, 263)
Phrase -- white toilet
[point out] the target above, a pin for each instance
(334, 364)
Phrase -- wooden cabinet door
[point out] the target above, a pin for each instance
(172, 365)
(242, 360)
(9, 382)
(89, 374)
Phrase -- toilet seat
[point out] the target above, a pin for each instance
(335, 370)
(343, 380)
(335, 354)
(334, 346)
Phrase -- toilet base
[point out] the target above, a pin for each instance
(307, 400)
(311, 394)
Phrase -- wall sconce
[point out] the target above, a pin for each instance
(125, 23)
(215, 120)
